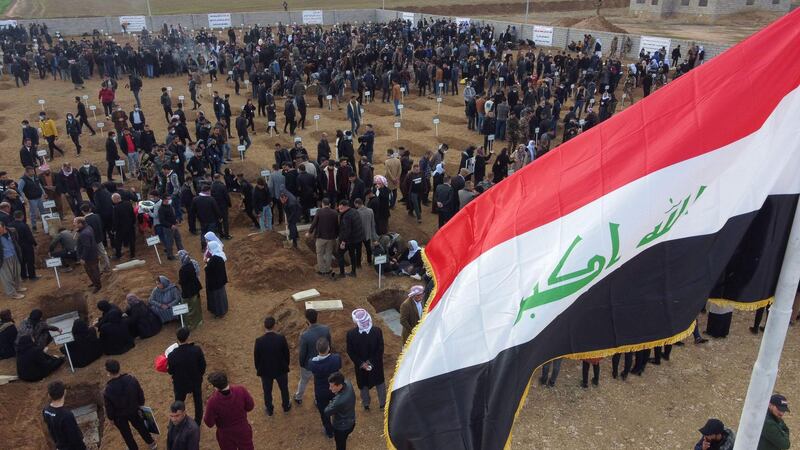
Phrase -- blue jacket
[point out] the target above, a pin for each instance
(322, 367)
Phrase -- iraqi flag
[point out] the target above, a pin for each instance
(612, 242)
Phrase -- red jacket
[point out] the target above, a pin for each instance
(229, 414)
(106, 95)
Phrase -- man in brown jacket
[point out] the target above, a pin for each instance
(325, 228)
(411, 310)
(393, 168)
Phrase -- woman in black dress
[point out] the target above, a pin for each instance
(500, 167)
(216, 279)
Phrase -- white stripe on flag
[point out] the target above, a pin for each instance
(475, 319)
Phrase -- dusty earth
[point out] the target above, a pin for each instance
(662, 409)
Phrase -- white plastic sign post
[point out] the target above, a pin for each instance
(64, 339)
(501, 79)
(120, 163)
(153, 241)
(316, 122)
(41, 103)
(181, 98)
(397, 129)
(400, 107)
(92, 108)
(55, 263)
(380, 261)
(49, 204)
(179, 310)
(271, 125)
(536, 130)
(329, 98)
(241, 149)
(265, 173)
(85, 97)
(367, 94)
(491, 141)
(101, 125)
(169, 89)
(581, 123)
(438, 105)
(436, 125)
(41, 153)
(441, 88)
(208, 85)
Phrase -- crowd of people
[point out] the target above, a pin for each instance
(523, 101)
(227, 408)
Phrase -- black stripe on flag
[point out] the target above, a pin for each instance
(654, 296)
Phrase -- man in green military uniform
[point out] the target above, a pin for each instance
(775, 434)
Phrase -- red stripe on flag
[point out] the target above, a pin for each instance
(713, 105)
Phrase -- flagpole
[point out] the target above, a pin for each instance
(765, 370)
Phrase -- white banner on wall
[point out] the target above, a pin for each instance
(653, 44)
(312, 17)
(133, 23)
(543, 35)
(8, 23)
(462, 21)
(219, 20)
(406, 16)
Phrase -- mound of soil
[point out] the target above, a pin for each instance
(598, 23)
(456, 120)
(454, 143)
(414, 125)
(565, 22)
(416, 148)
(3, 136)
(416, 106)
(260, 262)
(378, 109)
(6, 86)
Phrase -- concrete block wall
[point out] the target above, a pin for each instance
(711, 8)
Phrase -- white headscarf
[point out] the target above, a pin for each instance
(211, 237)
(215, 249)
(362, 319)
(413, 248)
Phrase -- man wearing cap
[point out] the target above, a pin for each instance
(715, 436)
(775, 434)
(411, 310)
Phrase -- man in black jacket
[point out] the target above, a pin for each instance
(187, 365)
(241, 131)
(60, 421)
(112, 155)
(82, 117)
(123, 397)
(103, 206)
(87, 252)
(168, 222)
(289, 114)
(351, 234)
(27, 243)
(99, 230)
(247, 199)
(271, 355)
(123, 226)
(182, 433)
(220, 193)
(307, 187)
(27, 154)
(29, 132)
(206, 209)
(88, 175)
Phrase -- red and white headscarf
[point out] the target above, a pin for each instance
(362, 318)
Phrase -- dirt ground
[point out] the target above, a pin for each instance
(660, 410)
